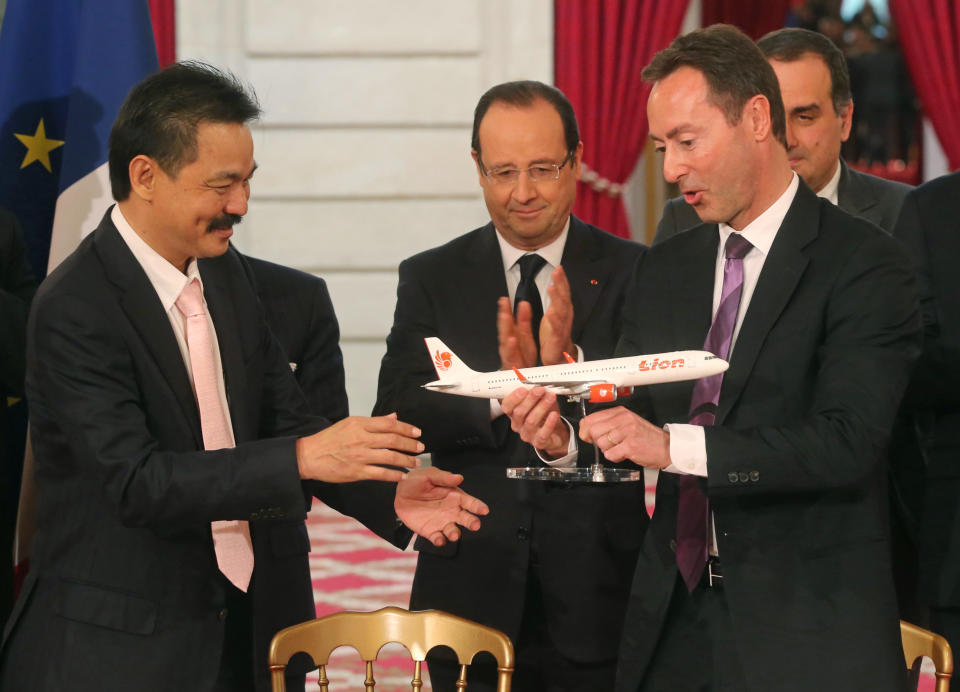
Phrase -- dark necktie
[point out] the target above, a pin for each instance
(530, 266)
(693, 507)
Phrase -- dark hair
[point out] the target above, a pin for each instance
(160, 115)
(733, 66)
(788, 45)
(525, 93)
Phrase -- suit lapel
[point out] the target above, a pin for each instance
(691, 287)
(587, 272)
(140, 303)
(778, 280)
(853, 196)
(482, 279)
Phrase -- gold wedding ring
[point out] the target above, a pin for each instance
(610, 440)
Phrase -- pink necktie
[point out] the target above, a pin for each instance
(231, 539)
(693, 508)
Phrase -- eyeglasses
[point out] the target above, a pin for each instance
(539, 173)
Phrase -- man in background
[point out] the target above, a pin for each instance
(551, 566)
(300, 313)
(815, 86)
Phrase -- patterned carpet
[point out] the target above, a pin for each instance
(352, 569)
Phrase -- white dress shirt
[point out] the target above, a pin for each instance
(169, 282)
(830, 191)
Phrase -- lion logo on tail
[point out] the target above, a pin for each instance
(443, 360)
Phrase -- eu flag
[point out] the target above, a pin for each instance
(65, 67)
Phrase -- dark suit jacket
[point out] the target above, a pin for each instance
(17, 287)
(795, 476)
(929, 228)
(124, 591)
(586, 537)
(300, 313)
(867, 196)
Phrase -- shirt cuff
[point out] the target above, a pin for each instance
(570, 459)
(688, 449)
(495, 409)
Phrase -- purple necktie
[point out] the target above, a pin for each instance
(693, 508)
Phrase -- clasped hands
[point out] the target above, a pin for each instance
(428, 500)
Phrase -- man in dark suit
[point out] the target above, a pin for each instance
(17, 287)
(551, 565)
(766, 565)
(928, 227)
(300, 313)
(815, 87)
(172, 444)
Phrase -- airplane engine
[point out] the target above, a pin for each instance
(624, 391)
(601, 393)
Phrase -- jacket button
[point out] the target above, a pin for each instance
(222, 615)
(754, 476)
(744, 477)
(732, 477)
(673, 545)
(522, 533)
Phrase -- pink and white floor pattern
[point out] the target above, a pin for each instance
(352, 569)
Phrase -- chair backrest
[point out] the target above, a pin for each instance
(918, 642)
(368, 632)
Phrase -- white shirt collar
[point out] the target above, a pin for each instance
(166, 279)
(830, 191)
(763, 229)
(552, 251)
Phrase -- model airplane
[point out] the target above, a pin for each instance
(593, 380)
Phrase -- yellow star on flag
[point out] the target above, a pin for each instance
(38, 147)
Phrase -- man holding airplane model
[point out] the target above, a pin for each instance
(515, 574)
(767, 563)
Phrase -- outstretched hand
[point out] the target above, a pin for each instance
(430, 503)
(359, 448)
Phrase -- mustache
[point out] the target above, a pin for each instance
(222, 223)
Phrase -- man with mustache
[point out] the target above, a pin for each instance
(174, 452)
(815, 86)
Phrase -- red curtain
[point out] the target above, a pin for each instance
(600, 48)
(754, 17)
(164, 30)
(930, 39)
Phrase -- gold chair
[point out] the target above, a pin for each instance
(918, 642)
(368, 632)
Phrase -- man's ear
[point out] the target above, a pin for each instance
(758, 110)
(576, 159)
(143, 171)
(846, 120)
(481, 174)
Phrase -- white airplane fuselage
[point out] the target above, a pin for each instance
(602, 380)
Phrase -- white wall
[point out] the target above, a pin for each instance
(364, 147)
